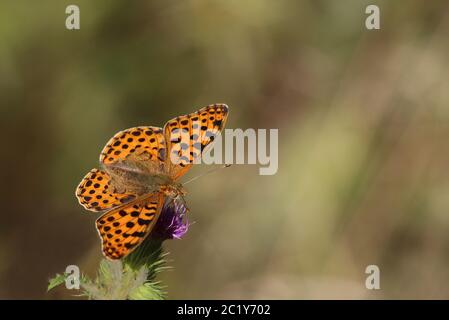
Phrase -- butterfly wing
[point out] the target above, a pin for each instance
(96, 193)
(135, 144)
(187, 136)
(122, 229)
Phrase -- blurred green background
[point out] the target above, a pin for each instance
(363, 119)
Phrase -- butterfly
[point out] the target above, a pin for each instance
(140, 169)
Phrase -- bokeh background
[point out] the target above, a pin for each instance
(363, 119)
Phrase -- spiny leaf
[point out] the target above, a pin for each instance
(56, 281)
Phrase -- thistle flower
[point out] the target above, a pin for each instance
(172, 222)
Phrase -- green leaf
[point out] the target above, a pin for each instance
(56, 281)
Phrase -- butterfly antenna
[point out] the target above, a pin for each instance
(206, 173)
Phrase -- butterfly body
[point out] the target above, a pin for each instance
(141, 167)
(138, 182)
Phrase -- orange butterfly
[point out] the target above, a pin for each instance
(140, 170)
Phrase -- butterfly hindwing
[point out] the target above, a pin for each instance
(187, 136)
(122, 229)
(96, 193)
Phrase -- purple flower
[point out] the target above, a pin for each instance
(172, 223)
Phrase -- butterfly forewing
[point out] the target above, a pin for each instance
(122, 229)
(146, 143)
(187, 136)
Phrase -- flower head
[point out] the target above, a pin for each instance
(172, 222)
